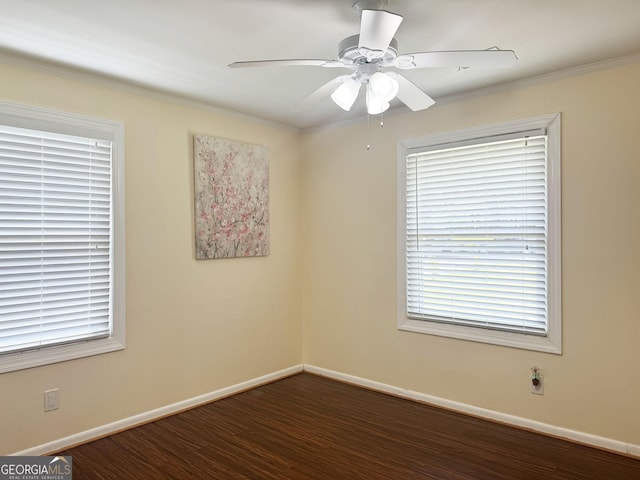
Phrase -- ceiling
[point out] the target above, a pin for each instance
(184, 47)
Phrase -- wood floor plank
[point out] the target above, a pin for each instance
(307, 427)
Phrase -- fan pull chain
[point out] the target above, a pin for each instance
(369, 127)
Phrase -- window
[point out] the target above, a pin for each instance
(61, 237)
(479, 238)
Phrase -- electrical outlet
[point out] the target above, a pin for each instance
(536, 381)
(538, 389)
(51, 400)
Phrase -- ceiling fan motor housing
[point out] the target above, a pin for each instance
(350, 54)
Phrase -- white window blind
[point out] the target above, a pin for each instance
(55, 239)
(476, 234)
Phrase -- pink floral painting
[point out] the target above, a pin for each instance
(232, 198)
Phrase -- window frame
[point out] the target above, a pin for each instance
(37, 118)
(552, 342)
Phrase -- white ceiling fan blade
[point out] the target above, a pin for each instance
(287, 63)
(377, 28)
(412, 96)
(457, 58)
(324, 91)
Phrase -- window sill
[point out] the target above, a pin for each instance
(34, 358)
(548, 344)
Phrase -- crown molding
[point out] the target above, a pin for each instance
(44, 66)
(78, 74)
(543, 78)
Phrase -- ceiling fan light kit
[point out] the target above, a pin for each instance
(373, 57)
(384, 86)
(381, 89)
(375, 104)
(346, 94)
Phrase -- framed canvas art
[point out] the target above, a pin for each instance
(232, 198)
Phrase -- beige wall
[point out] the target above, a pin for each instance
(192, 326)
(333, 225)
(349, 225)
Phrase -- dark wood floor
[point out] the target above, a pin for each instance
(309, 427)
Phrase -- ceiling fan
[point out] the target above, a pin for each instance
(373, 57)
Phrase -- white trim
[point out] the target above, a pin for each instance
(49, 68)
(523, 124)
(158, 413)
(39, 118)
(552, 343)
(512, 420)
(554, 76)
(119, 242)
(27, 116)
(554, 228)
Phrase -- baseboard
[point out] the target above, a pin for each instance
(540, 427)
(146, 417)
(149, 416)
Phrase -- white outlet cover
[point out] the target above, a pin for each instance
(51, 400)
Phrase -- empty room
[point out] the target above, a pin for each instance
(335, 239)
